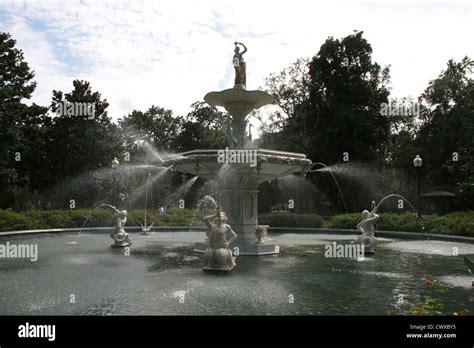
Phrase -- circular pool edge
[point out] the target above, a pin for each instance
(298, 230)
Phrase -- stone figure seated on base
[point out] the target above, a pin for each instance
(218, 256)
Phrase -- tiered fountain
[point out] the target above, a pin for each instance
(238, 182)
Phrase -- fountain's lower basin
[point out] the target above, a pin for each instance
(162, 276)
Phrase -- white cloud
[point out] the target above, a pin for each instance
(171, 53)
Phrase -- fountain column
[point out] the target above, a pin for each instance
(238, 192)
(238, 110)
(241, 209)
(240, 205)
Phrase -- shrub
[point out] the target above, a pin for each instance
(279, 219)
(95, 218)
(407, 222)
(457, 223)
(344, 221)
(10, 220)
(47, 219)
(172, 217)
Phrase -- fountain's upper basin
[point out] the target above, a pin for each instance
(265, 165)
(239, 103)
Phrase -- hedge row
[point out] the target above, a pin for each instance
(457, 223)
(283, 219)
(42, 219)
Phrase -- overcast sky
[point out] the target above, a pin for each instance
(170, 53)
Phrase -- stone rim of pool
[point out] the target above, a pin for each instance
(273, 230)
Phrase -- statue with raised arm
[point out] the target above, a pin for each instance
(366, 226)
(119, 235)
(218, 256)
(240, 66)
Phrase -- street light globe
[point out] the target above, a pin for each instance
(115, 163)
(417, 162)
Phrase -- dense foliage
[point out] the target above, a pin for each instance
(283, 219)
(330, 108)
(50, 219)
(457, 223)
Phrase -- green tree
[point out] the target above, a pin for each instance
(21, 132)
(78, 143)
(346, 92)
(203, 128)
(332, 108)
(290, 88)
(401, 148)
(337, 96)
(157, 126)
(445, 138)
(150, 132)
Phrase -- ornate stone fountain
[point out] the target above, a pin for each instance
(238, 182)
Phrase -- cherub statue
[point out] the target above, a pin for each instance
(240, 66)
(366, 226)
(220, 235)
(119, 235)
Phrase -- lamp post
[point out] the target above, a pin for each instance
(115, 164)
(418, 163)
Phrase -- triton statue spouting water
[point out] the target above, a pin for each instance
(119, 235)
(366, 226)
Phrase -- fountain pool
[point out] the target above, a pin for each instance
(162, 276)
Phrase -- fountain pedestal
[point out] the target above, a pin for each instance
(241, 205)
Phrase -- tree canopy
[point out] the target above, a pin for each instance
(332, 107)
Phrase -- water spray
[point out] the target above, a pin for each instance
(335, 180)
(145, 229)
